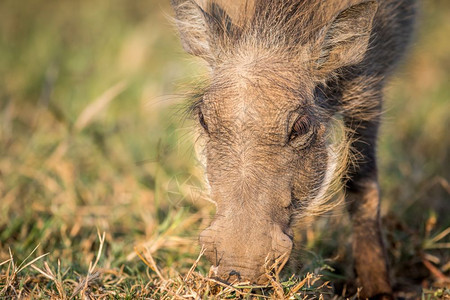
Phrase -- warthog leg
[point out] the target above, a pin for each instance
(363, 203)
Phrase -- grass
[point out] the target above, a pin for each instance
(100, 194)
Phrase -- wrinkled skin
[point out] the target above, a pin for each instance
(280, 71)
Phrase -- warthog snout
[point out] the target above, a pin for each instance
(243, 251)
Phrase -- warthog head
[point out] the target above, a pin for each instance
(265, 120)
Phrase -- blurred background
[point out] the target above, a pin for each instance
(93, 138)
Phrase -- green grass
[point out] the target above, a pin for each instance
(92, 142)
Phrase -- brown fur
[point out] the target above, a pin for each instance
(280, 71)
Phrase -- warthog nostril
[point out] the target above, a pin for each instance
(234, 273)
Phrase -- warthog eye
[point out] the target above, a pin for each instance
(201, 119)
(302, 126)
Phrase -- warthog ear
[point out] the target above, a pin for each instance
(345, 40)
(202, 30)
(191, 23)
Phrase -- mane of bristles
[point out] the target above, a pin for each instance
(281, 26)
(339, 159)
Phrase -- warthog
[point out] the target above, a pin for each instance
(281, 73)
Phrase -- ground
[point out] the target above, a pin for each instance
(100, 193)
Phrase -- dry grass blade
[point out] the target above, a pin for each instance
(228, 288)
(435, 272)
(13, 270)
(29, 255)
(441, 235)
(32, 262)
(273, 274)
(433, 243)
(99, 253)
(446, 267)
(149, 261)
(299, 285)
(438, 246)
(98, 105)
(194, 265)
(83, 285)
(5, 262)
(48, 273)
(45, 274)
(279, 264)
(10, 274)
(57, 280)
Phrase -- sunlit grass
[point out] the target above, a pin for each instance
(100, 193)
